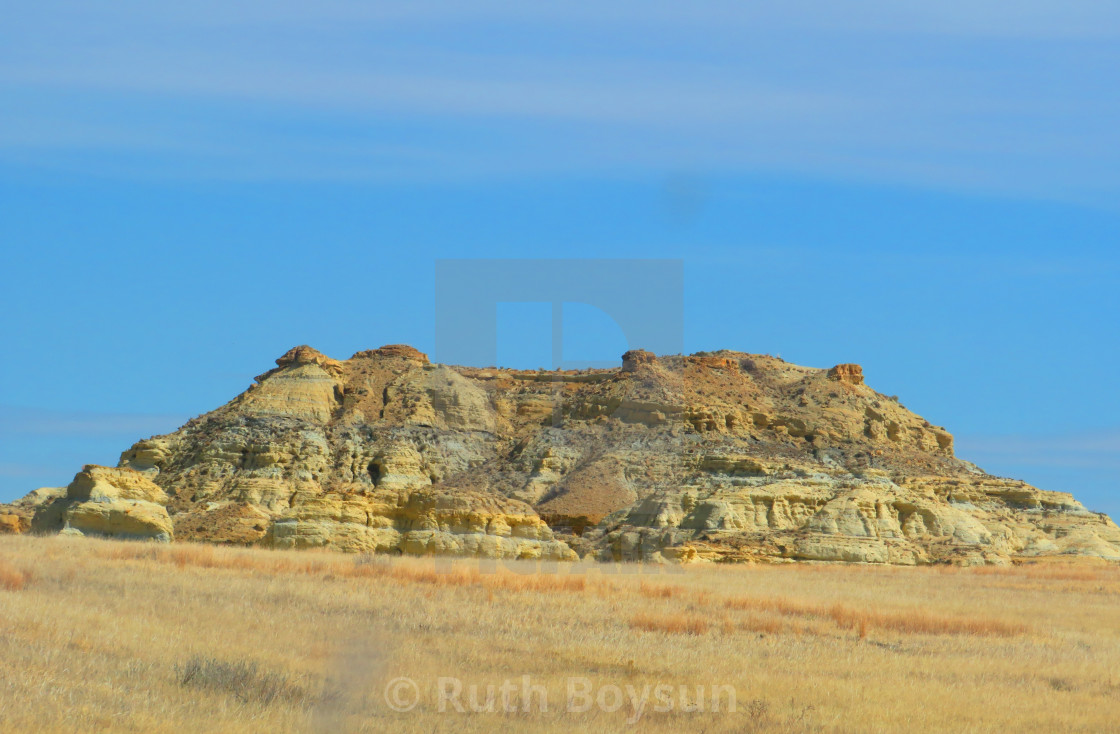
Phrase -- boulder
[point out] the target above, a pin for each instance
(14, 524)
(108, 502)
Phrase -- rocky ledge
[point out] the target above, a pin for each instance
(715, 456)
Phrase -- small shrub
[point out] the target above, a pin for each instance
(758, 709)
(241, 679)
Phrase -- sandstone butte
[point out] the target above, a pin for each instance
(717, 456)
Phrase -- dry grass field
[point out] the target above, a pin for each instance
(114, 636)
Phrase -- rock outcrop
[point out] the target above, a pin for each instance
(107, 502)
(16, 517)
(14, 524)
(719, 456)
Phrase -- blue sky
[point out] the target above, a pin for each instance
(932, 190)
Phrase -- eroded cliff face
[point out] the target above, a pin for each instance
(713, 456)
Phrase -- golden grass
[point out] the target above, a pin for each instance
(912, 621)
(656, 591)
(12, 579)
(114, 636)
(918, 622)
(341, 566)
(677, 624)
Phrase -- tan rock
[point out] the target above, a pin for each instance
(440, 397)
(398, 466)
(40, 496)
(98, 483)
(633, 360)
(236, 523)
(131, 519)
(419, 523)
(108, 502)
(850, 373)
(400, 351)
(14, 524)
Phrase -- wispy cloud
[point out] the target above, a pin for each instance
(17, 421)
(983, 95)
(21, 471)
(1084, 464)
(1098, 450)
(43, 448)
(1002, 18)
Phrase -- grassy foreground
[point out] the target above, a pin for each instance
(113, 636)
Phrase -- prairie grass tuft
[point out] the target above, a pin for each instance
(674, 624)
(243, 680)
(12, 578)
(862, 620)
(656, 591)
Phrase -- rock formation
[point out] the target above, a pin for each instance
(16, 517)
(720, 456)
(111, 503)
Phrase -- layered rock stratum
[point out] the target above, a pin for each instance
(716, 456)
